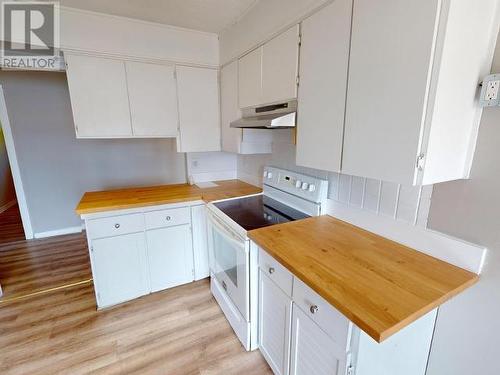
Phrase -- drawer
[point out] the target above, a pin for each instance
(167, 218)
(276, 272)
(115, 226)
(331, 321)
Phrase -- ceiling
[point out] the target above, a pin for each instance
(206, 15)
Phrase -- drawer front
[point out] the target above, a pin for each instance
(115, 226)
(167, 218)
(276, 272)
(335, 325)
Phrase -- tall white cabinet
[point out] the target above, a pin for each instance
(199, 121)
(412, 114)
(324, 61)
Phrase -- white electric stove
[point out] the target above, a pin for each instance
(286, 196)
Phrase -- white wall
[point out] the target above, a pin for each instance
(7, 192)
(56, 168)
(467, 337)
(263, 21)
(97, 32)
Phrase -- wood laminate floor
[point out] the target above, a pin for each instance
(178, 331)
(35, 266)
(11, 227)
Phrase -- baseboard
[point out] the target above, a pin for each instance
(8, 205)
(59, 232)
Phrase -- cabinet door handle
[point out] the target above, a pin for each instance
(168, 218)
(314, 309)
(271, 270)
(117, 225)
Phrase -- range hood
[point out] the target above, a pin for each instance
(275, 116)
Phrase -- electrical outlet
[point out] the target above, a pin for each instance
(194, 163)
(490, 95)
(492, 90)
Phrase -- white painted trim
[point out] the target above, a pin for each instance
(449, 249)
(14, 167)
(60, 232)
(8, 205)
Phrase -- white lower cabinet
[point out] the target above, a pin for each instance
(300, 333)
(139, 251)
(274, 328)
(170, 256)
(312, 350)
(119, 268)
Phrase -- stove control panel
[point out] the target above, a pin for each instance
(307, 187)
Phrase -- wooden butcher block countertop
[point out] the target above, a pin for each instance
(380, 285)
(99, 201)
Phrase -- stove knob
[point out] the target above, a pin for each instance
(269, 175)
(312, 188)
(305, 186)
(298, 184)
(265, 174)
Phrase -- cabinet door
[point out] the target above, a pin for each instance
(119, 268)
(280, 59)
(99, 97)
(198, 94)
(390, 65)
(274, 324)
(312, 350)
(170, 257)
(153, 99)
(250, 79)
(324, 59)
(230, 111)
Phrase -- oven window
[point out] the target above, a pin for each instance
(226, 257)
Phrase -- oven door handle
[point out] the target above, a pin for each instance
(227, 233)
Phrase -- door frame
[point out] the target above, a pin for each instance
(14, 167)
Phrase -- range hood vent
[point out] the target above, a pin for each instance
(275, 116)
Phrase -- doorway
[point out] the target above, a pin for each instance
(11, 225)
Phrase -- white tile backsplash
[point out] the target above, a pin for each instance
(409, 204)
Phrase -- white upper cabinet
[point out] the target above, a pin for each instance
(199, 120)
(324, 60)
(269, 73)
(280, 61)
(411, 114)
(240, 141)
(99, 97)
(153, 99)
(250, 79)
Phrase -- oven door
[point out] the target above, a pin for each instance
(229, 262)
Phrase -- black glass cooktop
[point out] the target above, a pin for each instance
(258, 211)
